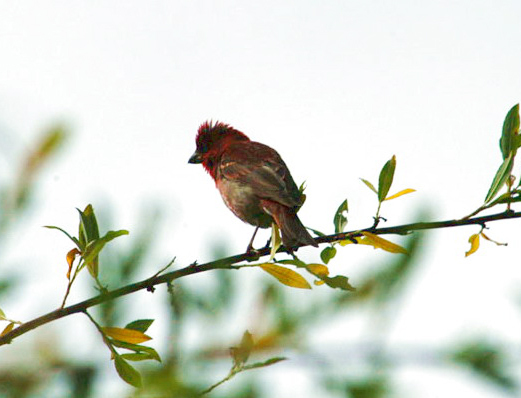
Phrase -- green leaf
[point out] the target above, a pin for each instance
(127, 372)
(88, 226)
(327, 254)
(142, 356)
(75, 240)
(517, 141)
(141, 325)
(318, 233)
(509, 197)
(2, 314)
(339, 220)
(500, 178)
(269, 362)
(509, 142)
(386, 178)
(241, 353)
(137, 348)
(294, 261)
(369, 185)
(338, 282)
(90, 255)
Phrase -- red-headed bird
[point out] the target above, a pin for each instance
(253, 180)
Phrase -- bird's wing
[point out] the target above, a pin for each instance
(262, 169)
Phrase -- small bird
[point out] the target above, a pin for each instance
(253, 180)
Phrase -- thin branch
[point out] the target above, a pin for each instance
(238, 369)
(226, 263)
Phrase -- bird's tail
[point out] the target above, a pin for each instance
(293, 232)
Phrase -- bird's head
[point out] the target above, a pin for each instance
(212, 139)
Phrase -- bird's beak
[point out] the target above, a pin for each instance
(196, 158)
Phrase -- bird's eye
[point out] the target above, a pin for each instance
(202, 147)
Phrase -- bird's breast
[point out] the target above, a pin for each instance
(243, 202)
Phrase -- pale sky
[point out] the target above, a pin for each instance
(337, 87)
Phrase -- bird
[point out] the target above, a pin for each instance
(253, 180)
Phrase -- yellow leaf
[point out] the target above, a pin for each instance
(126, 335)
(318, 269)
(318, 283)
(286, 276)
(346, 242)
(474, 244)
(71, 255)
(7, 329)
(492, 240)
(398, 194)
(275, 239)
(381, 243)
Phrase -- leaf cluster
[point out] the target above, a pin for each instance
(89, 244)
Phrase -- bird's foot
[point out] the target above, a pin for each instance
(252, 254)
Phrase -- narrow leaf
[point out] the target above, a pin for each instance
(75, 240)
(7, 329)
(141, 356)
(126, 335)
(371, 186)
(269, 362)
(141, 325)
(508, 142)
(275, 240)
(500, 178)
(492, 240)
(286, 276)
(339, 220)
(294, 261)
(46, 147)
(88, 224)
(127, 372)
(474, 244)
(318, 233)
(2, 315)
(380, 243)
(386, 178)
(137, 348)
(88, 234)
(402, 192)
